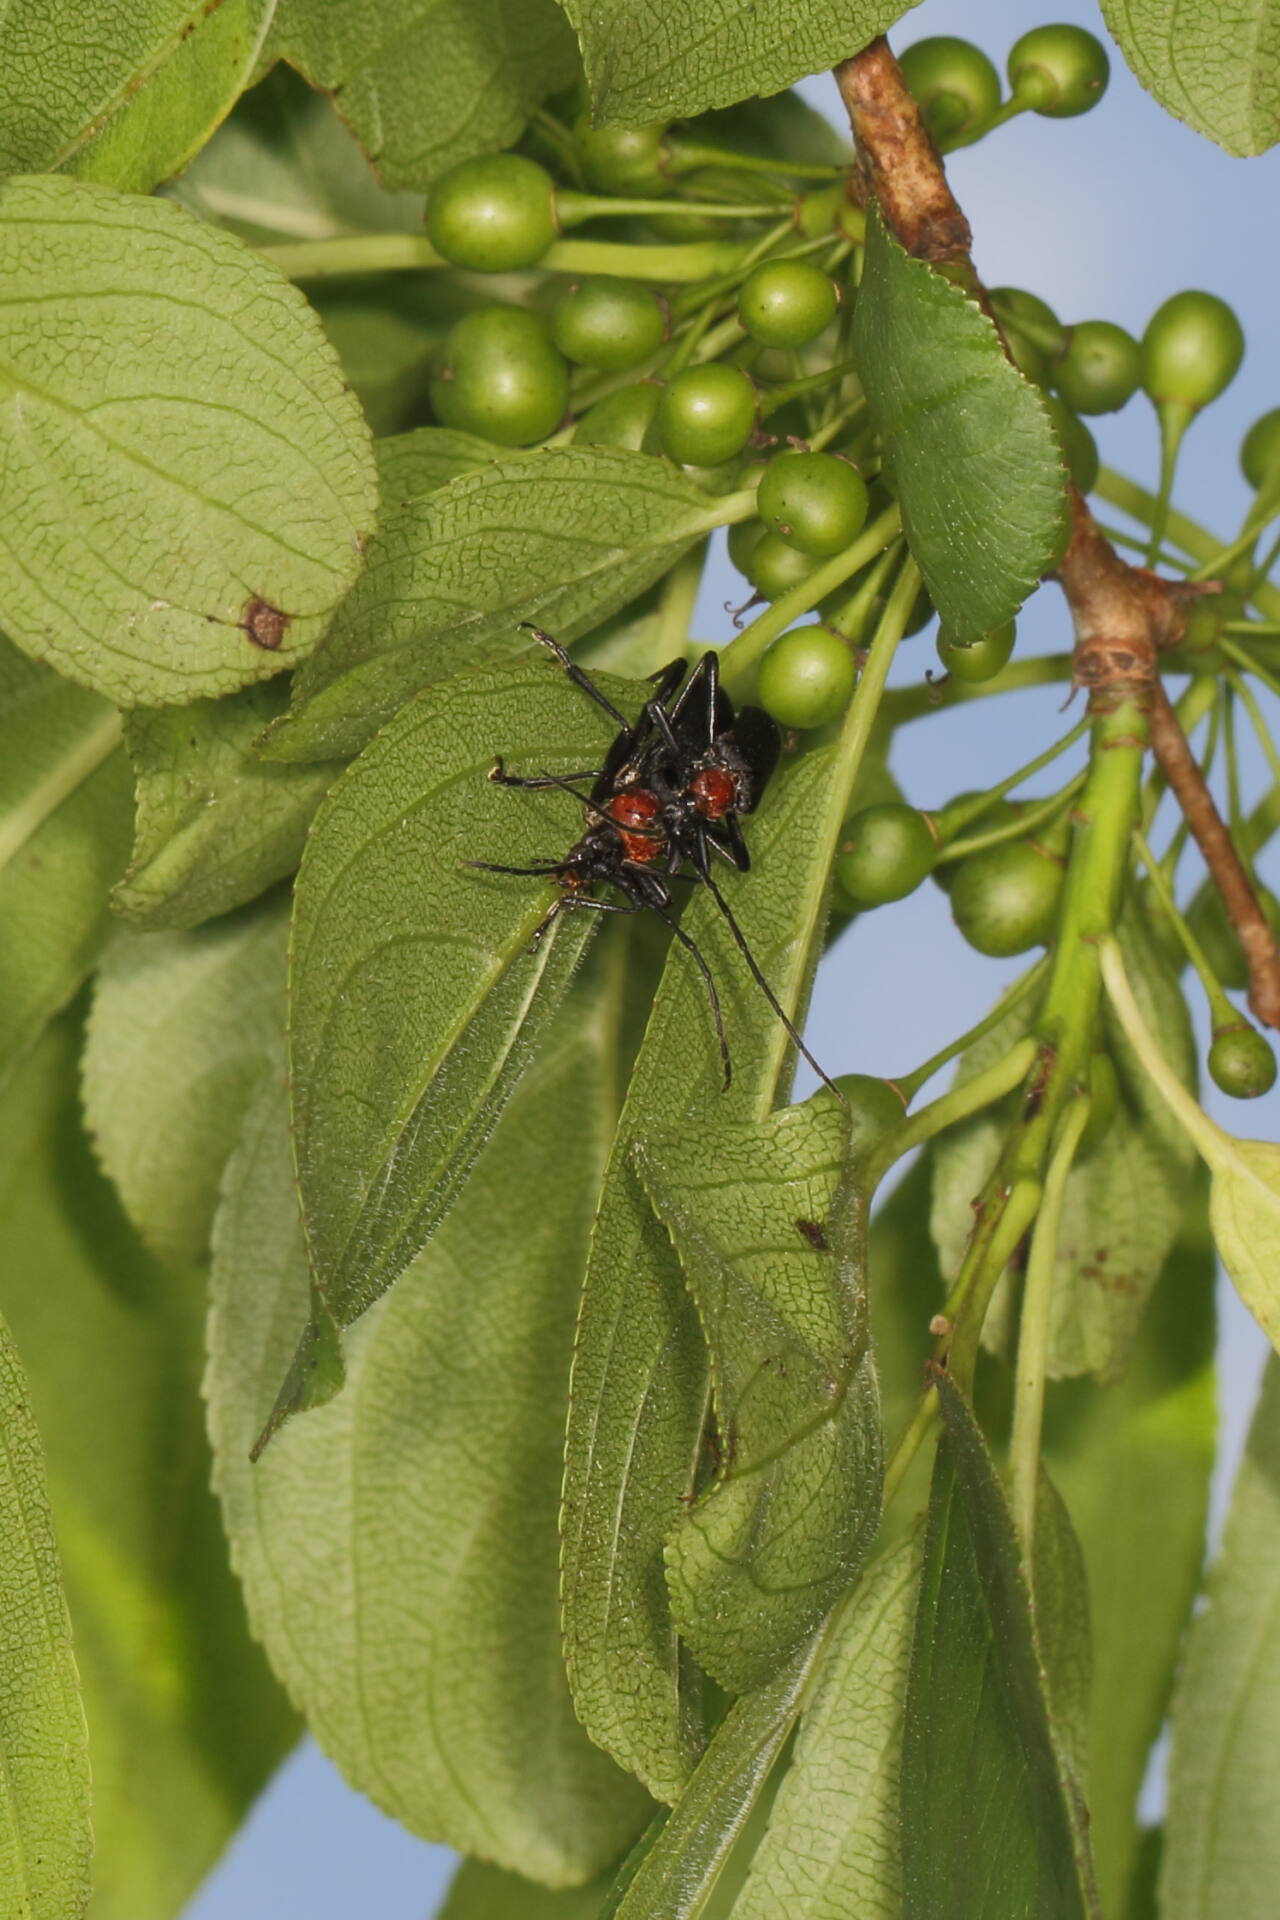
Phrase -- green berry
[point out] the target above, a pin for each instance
(1058, 70)
(621, 419)
(611, 325)
(1104, 1104)
(1260, 451)
(1005, 898)
(885, 852)
(786, 303)
(1191, 350)
(875, 1108)
(744, 538)
(978, 660)
(1076, 444)
(493, 214)
(1241, 1062)
(806, 678)
(502, 378)
(627, 161)
(1101, 368)
(1015, 307)
(814, 501)
(776, 566)
(1000, 813)
(954, 84)
(706, 414)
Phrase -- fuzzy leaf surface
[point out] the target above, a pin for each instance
(398, 1547)
(1123, 1203)
(182, 1028)
(1216, 68)
(562, 538)
(216, 824)
(757, 1563)
(182, 466)
(430, 82)
(832, 1844)
(45, 1837)
(1244, 1211)
(987, 1822)
(65, 819)
(966, 441)
(121, 91)
(1222, 1848)
(661, 63)
(639, 1387)
(185, 1720)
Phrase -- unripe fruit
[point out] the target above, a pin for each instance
(1212, 928)
(806, 677)
(744, 538)
(981, 659)
(611, 325)
(1075, 442)
(954, 84)
(1101, 369)
(1104, 1104)
(626, 161)
(1000, 813)
(1058, 70)
(1191, 350)
(621, 419)
(1005, 899)
(884, 853)
(706, 414)
(1260, 450)
(493, 214)
(502, 378)
(775, 566)
(875, 1108)
(786, 303)
(814, 501)
(1031, 315)
(1241, 1062)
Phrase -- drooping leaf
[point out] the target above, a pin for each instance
(478, 1892)
(216, 824)
(831, 1847)
(1060, 1597)
(563, 539)
(779, 1282)
(121, 94)
(639, 1388)
(1133, 1464)
(187, 487)
(45, 1835)
(398, 1547)
(988, 1823)
(1123, 1203)
(65, 820)
(183, 1026)
(1222, 1844)
(1216, 68)
(1244, 1209)
(185, 1720)
(966, 440)
(657, 63)
(426, 84)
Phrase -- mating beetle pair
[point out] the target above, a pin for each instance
(668, 799)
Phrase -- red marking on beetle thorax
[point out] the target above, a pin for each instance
(715, 792)
(637, 808)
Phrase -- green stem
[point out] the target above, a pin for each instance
(1033, 1332)
(397, 252)
(983, 1090)
(851, 618)
(1175, 416)
(913, 703)
(743, 653)
(1210, 1141)
(69, 771)
(1119, 491)
(573, 209)
(1257, 721)
(909, 1084)
(789, 390)
(1221, 1011)
(865, 705)
(1020, 829)
(688, 155)
(679, 597)
(994, 1244)
(953, 819)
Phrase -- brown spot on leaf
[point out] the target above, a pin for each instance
(264, 624)
(810, 1230)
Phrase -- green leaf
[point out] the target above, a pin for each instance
(1244, 1210)
(426, 84)
(678, 1873)
(1123, 1203)
(906, 1289)
(1133, 1465)
(398, 1547)
(778, 1279)
(1222, 1844)
(65, 819)
(1216, 68)
(832, 1846)
(1060, 1600)
(659, 63)
(124, 95)
(45, 1836)
(563, 539)
(182, 1028)
(187, 486)
(966, 441)
(216, 824)
(417, 463)
(479, 1892)
(988, 1823)
(639, 1389)
(185, 1721)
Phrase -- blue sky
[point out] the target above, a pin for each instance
(1103, 217)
